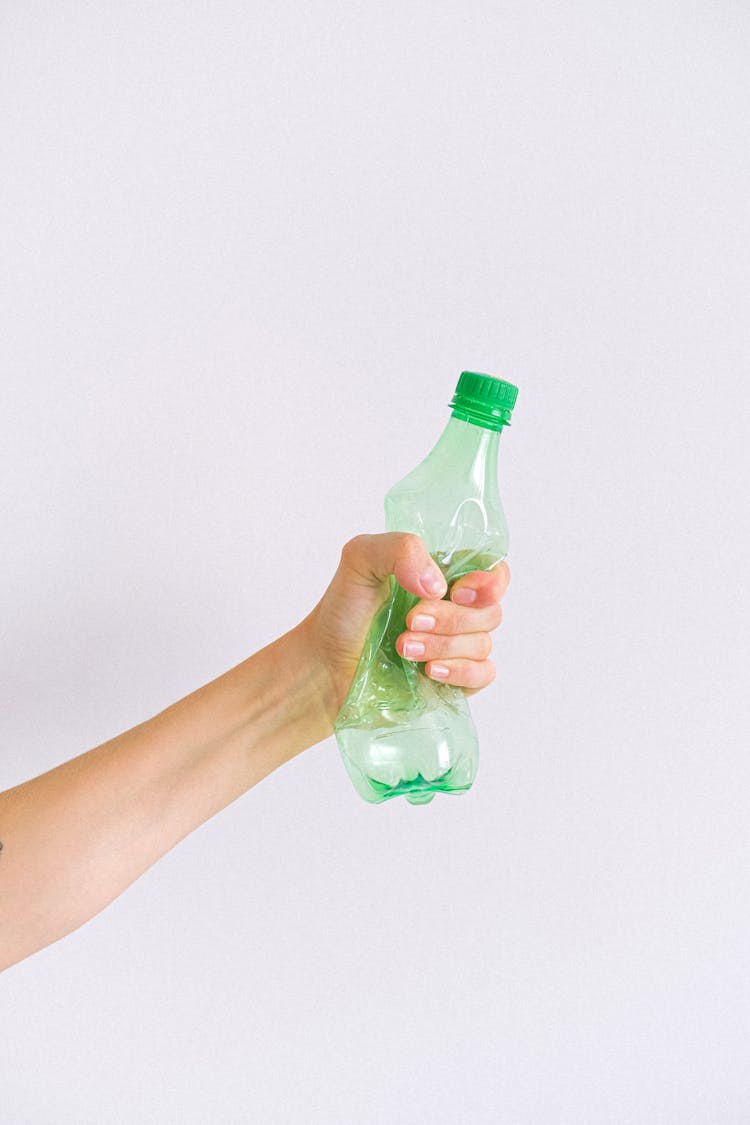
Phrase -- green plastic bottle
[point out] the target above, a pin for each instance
(399, 732)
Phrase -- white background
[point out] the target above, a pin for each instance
(245, 251)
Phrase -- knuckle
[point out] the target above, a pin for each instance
(484, 645)
(494, 580)
(408, 541)
(499, 584)
(491, 672)
(352, 547)
(455, 619)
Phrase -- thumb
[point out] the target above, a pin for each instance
(370, 559)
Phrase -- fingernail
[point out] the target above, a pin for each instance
(422, 623)
(433, 582)
(439, 671)
(413, 649)
(464, 596)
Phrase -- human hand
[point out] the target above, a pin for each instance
(454, 634)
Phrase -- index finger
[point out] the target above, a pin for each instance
(481, 588)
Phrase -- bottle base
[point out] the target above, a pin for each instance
(435, 754)
(419, 791)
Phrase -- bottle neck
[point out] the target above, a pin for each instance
(473, 447)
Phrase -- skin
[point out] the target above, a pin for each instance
(76, 837)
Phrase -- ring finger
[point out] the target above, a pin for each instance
(470, 674)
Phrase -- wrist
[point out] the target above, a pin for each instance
(319, 682)
(300, 693)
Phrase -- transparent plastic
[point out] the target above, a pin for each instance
(399, 732)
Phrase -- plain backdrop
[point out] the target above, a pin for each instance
(245, 251)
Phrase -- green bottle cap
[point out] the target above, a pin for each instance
(483, 400)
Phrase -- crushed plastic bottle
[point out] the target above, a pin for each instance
(399, 732)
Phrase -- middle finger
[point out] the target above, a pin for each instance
(445, 617)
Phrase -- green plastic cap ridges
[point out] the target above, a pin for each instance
(483, 400)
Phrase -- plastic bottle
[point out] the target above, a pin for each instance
(399, 732)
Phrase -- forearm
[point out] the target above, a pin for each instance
(74, 838)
